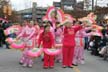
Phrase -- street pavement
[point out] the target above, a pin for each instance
(9, 62)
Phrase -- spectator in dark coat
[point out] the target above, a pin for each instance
(1, 36)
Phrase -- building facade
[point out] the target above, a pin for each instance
(87, 4)
(34, 13)
(57, 4)
(68, 3)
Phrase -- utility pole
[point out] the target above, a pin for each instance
(95, 4)
(34, 5)
(92, 5)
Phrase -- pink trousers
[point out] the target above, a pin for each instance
(58, 40)
(79, 51)
(78, 55)
(25, 59)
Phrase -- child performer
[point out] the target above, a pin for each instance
(47, 40)
(69, 43)
(28, 34)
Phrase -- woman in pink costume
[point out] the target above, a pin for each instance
(79, 48)
(28, 34)
(36, 32)
(58, 40)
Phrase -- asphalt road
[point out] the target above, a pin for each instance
(9, 62)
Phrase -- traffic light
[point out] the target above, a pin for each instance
(4, 9)
(9, 10)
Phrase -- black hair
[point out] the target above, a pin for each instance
(44, 22)
(50, 23)
(46, 26)
(57, 22)
(74, 22)
(80, 22)
(88, 31)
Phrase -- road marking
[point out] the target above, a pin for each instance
(76, 69)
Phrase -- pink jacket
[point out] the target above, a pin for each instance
(82, 33)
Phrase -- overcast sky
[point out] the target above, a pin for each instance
(22, 4)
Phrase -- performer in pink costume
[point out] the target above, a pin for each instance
(79, 48)
(28, 34)
(58, 40)
(37, 32)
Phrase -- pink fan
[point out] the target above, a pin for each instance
(44, 18)
(51, 14)
(52, 51)
(12, 29)
(69, 17)
(35, 52)
(19, 44)
(10, 40)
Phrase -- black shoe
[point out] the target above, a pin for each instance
(63, 66)
(7, 47)
(74, 64)
(45, 67)
(20, 63)
(42, 59)
(51, 67)
(70, 66)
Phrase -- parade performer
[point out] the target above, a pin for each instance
(28, 34)
(47, 40)
(46, 21)
(80, 43)
(58, 40)
(37, 32)
(69, 43)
